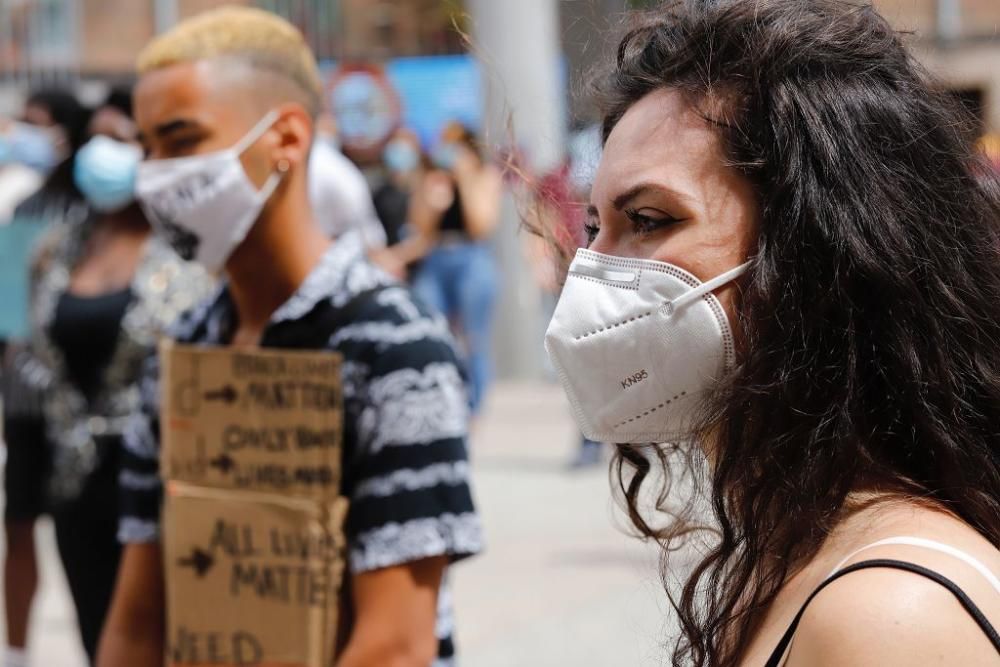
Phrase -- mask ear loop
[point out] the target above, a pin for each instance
(256, 132)
(271, 184)
(670, 307)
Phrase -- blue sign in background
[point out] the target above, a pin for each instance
(434, 90)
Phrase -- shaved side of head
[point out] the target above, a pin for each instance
(249, 50)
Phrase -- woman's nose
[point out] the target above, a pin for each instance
(607, 243)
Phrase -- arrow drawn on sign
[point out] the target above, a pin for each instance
(227, 394)
(224, 463)
(199, 561)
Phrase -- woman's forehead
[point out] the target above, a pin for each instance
(661, 138)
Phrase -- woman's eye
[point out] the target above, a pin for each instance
(644, 224)
(592, 231)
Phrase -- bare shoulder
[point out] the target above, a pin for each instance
(889, 617)
(882, 616)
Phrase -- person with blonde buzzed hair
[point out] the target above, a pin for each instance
(226, 103)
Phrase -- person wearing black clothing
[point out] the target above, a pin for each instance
(406, 168)
(102, 291)
(791, 288)
(403, 161)
(456, 209)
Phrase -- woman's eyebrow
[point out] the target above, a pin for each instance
(623, 200)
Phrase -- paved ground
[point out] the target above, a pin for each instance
(561, 584)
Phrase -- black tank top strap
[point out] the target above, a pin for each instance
(969, 606)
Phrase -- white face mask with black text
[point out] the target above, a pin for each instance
(636, 344)
(205, 205)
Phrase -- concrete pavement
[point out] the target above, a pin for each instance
(561, 584)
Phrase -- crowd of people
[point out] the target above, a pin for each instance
(89, 183)
(789, 285)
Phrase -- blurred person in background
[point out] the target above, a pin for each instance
(402, 161)
(36, 184)
(405, 166)
(44, 140)
(791, 283)
(342, 200)
(340, 195)
(103, 291)
(52, 127)
(558, 207)
(18, 179)
(226, 103)
(457, 207)
(584, 156)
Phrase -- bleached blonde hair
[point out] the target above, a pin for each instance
(265, 42)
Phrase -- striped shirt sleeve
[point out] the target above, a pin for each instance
(139, 482)
(406, 421)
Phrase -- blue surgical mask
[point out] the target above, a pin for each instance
(445, 156)
(401, 157)
(104, 170)
(29, 145)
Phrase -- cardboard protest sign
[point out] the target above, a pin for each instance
(260, 420)
(253, 580)
(253, 525)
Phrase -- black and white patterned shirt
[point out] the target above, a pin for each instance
(406, 467)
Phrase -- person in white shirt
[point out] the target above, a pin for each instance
(340, 196)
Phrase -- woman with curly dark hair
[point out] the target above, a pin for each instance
(794, 276)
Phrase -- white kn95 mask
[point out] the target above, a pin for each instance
(636, 344)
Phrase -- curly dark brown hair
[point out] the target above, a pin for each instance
(870, 324)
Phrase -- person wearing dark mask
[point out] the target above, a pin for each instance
(457, 206)
(103, 291)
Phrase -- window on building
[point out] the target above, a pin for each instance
(319, 21)
(38, 36)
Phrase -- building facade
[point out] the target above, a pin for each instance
(77, 42)
(958, 40)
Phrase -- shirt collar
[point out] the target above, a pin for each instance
(325, 278)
